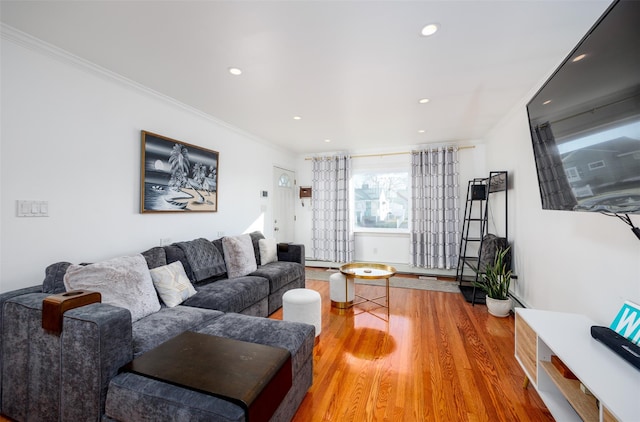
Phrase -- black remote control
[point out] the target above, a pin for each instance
(619, 344)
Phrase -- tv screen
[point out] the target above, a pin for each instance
(585, 120)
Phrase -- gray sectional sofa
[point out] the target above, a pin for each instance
(77, 375)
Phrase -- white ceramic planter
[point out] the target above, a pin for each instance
(498, 307)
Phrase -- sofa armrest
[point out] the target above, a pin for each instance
(97, 341)
(291, 252)
(4, 297)
(66, 375)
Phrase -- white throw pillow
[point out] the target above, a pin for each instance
(239, 255)
(268, 251)
(172, 283)
(123, 281)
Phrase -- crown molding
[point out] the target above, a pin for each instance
(30, 42)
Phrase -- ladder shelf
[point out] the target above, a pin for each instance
(475, 228)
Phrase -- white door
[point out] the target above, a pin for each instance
(283, 204)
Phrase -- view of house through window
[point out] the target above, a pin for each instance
(381, 200)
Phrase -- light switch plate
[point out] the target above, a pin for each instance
(24, 208)
(32, 208)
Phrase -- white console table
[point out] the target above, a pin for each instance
(614, 383)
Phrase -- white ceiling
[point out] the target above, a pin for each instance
(353, 70)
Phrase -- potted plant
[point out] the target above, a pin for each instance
(495, 283)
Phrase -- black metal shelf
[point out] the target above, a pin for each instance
(476, 210)
(471, 262)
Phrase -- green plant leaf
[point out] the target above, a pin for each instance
(496, 279)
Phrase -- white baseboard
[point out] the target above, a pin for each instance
(400, 268)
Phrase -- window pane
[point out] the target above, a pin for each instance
(381, 200)
(284, 181)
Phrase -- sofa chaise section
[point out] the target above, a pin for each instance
(133, 397)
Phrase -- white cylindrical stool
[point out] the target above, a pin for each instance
(341, 290)
(303, 305)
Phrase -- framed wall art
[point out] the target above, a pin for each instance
(177, 176)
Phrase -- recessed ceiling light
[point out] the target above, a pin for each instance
(421, 131)
(430, 29)
(423, 100)
(235, 71)
(327, 140)
(546, 102)
(578, 58)
(297, 118)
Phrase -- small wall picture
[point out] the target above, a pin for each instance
(177, 176)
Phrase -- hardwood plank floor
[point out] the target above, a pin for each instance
(436, 359)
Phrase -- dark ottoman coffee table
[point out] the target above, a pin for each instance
(254, 376)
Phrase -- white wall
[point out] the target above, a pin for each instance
(565, 261)
(379, 247)
(71, 136)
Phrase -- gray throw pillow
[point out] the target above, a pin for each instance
(239, 255)
(123, 282)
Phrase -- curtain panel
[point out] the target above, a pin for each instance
(435, 224)
(332, 235)
(557, 193)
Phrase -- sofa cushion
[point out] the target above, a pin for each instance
(255, 239)
(239, 255)
(155, 257)
(53, 282)
(123, 281)
(167, 323)
(172, 283)
(268, 251)
(280, 273)
(135, 397)
(296, 337)
(174, 253)
(230, 295)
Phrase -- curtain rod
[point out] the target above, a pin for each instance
(391, 153)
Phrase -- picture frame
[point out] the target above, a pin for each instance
(176, 176)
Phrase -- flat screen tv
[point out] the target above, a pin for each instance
(585, 120)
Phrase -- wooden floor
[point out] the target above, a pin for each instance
(436, 359)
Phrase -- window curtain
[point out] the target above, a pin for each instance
(556, 192)
(332, 237)
(435, 233)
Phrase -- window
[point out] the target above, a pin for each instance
(572, 174)
(381, 200)
(284, 181)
